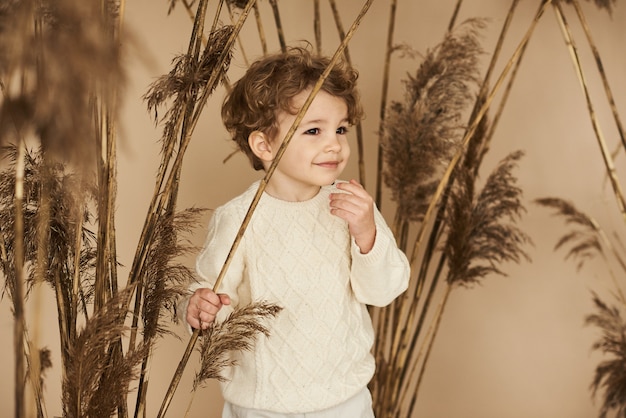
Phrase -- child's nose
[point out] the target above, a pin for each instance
(333, 143)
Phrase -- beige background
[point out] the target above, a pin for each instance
(513, 347)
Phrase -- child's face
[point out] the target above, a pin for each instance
(318, 151)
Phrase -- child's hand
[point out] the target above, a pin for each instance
(357, 208)
(203, 307)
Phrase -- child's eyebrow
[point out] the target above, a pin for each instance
(315, 121)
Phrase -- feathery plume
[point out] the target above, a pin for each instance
(67, 190)
(93, 384)
(165, 282)
(236, 333)
(601, 4)
(59, 63)
(166, 279)
(421, 133)
(172, 4)
(479, 236)
(186, 79)
(610, 374)
(239, 4)
(584, 241)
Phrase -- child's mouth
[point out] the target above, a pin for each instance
(328, 164)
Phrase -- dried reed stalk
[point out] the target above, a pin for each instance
(603, 76)
(381, 318)
(263, 184)
(104, 106)
(19, 326)
(214, 26)
(484, 88)
(232, 20)
(505, 96)
(259, 25)
(606, 154)
(33, 356)
(359, 125)
(106, 280)
(455, 14)
(383, 101)
(192, 14)
(317, 26)
(423, 356)
(279, 25)
(165, 282)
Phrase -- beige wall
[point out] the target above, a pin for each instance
(513, 347)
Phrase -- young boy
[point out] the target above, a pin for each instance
(316, 247)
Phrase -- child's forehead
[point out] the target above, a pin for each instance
(297, 101)
(323, 106)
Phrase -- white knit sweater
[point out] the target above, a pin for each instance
(300, 257)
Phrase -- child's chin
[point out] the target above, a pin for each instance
(330, 181)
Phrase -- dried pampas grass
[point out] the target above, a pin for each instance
(69, 191)
(236, 333)
(421, 133)
(56, 69)
(96, 380)
(610, 375)
(185, 81)
(585, 241)
(482, 231)
(600, 4)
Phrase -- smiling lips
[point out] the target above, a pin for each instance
(328, 164)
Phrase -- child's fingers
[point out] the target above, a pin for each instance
(224, 298)
(345, 203)
(203, 307)
(353, 187)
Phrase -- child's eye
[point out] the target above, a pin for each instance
(312, 131)
(342, 130)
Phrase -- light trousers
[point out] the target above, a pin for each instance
(359, 406)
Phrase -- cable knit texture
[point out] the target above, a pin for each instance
(299, 256)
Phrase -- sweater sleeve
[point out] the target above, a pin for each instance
(382, 274)
(222, 230)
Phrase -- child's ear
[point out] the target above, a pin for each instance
(260, 145)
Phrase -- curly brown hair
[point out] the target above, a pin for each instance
(268, 87)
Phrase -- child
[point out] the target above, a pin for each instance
(316, 247)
